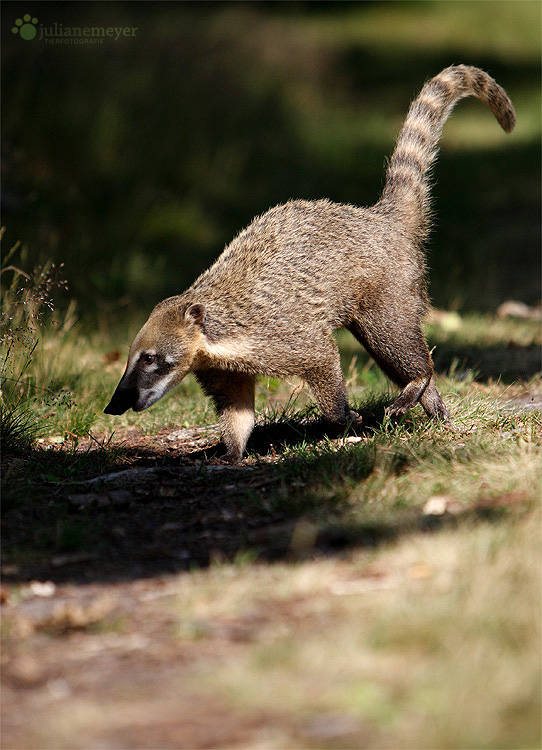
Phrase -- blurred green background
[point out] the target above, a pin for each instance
(134, 162)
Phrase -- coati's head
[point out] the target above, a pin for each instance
(160, 357)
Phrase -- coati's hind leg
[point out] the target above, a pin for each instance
(400, 349)
(233, 397)
(433, 403)
(326, 381)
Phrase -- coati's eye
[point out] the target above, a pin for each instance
(149, 359)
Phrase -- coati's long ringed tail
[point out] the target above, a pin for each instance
(406, 191)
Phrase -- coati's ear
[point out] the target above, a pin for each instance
(196, 313)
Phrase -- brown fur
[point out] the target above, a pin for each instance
(270, 303)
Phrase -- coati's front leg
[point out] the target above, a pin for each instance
(233, 397)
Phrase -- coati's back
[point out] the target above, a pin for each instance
(271, 301)
(302, 266)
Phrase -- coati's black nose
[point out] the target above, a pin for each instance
(122, 400)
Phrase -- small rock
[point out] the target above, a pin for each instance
(59, 614)
(436, 505)
(46, 589)
(515, 309)
(183, 434)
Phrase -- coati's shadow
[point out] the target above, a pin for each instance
(306, 428)
(287, 430)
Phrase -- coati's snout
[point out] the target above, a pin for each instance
(122, 400)
(145, 381)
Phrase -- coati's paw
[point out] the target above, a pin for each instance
(396, 410)
(353, 418)
(354, 421)
(403, 403)
(231, 458)
(350, 421)
(444, 417)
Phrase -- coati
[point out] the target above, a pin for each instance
(271, 301)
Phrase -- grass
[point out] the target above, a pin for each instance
(381, 620)
(71, 374)
(67, 388)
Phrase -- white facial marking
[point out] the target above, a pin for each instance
(131, 364)
(149, 396)
(162, 385)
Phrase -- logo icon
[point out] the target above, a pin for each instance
(25, 27)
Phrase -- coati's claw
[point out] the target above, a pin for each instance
(395, 411)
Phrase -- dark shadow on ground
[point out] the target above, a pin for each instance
(156, 511)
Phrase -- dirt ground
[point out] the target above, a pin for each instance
(57, 670)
